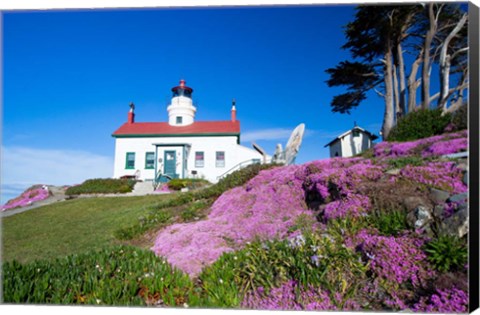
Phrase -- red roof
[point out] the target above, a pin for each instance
(163, 128)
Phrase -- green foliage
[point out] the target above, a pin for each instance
(302, 223)
(157, 218)
(341, 227)
(240, 177)
(447, 253)
(403, 161)
(192, 211)
(310, 259)
(191, 183)
(119, 275)
(102, 186)
(232, 180)
(419, 124)
(389, 223)
(460, 118)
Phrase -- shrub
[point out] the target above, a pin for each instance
(178, 184)
(102, 186)
(419, 124)
(446, 253)
(118, 275)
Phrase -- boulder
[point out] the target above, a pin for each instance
(439, 211)
(423, 215)
(420, 218)
(463, 165)
(457, 223)
(412, 202)
(439, 196)
(394, 171)
(459, 198)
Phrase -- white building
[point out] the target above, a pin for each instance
(181, 147)
(351, 142)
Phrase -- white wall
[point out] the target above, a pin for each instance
(354, 145)
(336, 147)
(234, 154)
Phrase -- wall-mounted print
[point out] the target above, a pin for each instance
(313, 157)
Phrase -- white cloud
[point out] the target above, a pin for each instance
(23, 167)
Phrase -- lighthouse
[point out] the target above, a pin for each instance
(181, 147)
(181, 111)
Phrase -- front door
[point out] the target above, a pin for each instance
(170, 164)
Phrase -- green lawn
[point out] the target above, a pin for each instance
(70, 227)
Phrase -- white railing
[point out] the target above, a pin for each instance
(239, 166)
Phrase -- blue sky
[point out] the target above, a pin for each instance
(70, 75)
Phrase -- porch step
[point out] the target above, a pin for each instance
(143, 188)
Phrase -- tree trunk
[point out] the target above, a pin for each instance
(444, 62)
(427, 44)
(396, 93)
(401, 78)
(413, 83)
(388, 70)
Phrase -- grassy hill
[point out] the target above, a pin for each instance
(70, 227)
(382, 231)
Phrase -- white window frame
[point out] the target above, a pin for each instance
(200, 163)
(219, 163)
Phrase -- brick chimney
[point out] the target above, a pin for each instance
(234, 111)
(131, 114)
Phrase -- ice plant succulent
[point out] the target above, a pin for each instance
(263, 209)
(286, 297)
(444, 301)
(28, 197)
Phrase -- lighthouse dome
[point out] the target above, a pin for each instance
(181, 111)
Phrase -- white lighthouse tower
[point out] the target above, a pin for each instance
(181, 111)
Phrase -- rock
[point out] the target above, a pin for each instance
(439, 211)
(457, 224)
(420, 218)
(458, 198)
(423, 215)
(439, 196)
(394, 171)
(412, 202)
(463, 165)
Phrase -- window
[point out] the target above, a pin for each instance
(150, 160)
(220, 159)
(356, 133)
(199, 159)
(130, 163)
(179, 120)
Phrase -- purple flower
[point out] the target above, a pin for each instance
(28, 197)
(444, 301)
(289, 296)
